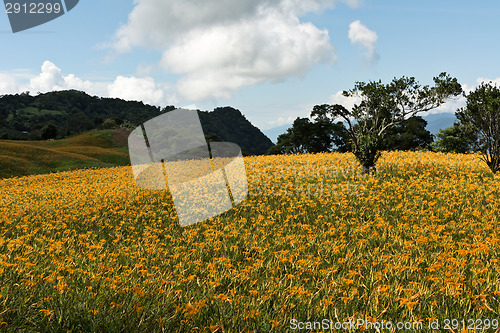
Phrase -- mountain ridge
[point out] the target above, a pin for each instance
(61, 114)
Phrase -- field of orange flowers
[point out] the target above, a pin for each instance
(419, 241)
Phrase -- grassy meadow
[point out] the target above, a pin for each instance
(87, 250)
(99, 148)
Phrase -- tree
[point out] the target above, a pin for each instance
(109, 123)
(482, 114)
(284, 144)
(383, 106)
(49, 132)
(306, 136)
(98, 120)
(212, 138)
(457, 138)
(296, 139)
(327, 132)
(407, 135)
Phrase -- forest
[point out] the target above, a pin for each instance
(60, 114)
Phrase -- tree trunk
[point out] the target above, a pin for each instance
(368, 170)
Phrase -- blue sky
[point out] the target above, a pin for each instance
(272, 59)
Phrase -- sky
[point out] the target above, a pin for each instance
(271, 59)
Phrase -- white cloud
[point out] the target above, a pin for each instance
(450, 106)
(219, 46)
(360, 34)
(51, 78)
(486, 80)
(353, 3)
(137, 89)
(281, 121)
(8, 84)
(453, 104)
(190, 107)
(458, 102)
(157, 23)
(347, 102)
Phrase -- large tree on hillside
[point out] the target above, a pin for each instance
(482, 115)
(384, 106)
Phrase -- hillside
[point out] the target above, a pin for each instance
(231, 126)
(98, 148)
(61, 114)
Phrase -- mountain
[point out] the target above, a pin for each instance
(438, 121)
(60, 114)
(274, 132)
(231, 126)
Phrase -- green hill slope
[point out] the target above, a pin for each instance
(98, 148)
(62, 114)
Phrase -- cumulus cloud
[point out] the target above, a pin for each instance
(219, 46)
(8, 84)
(453, 104)
(486, 80)
(133, 88)
(281, 121)
(360, 34)
(450, 106)
(51, 78)
(458, 102)
(347, 102)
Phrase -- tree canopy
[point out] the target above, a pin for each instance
(384, 106)
(386, 118)
(457, 138)
(29, 117)
(482, 115)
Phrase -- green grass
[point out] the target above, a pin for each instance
(91, 149)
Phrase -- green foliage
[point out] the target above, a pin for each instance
(384, 119)
(457, 138)
(212, 138)
(229, 125)
(306, 136)
(323, 135)
(383, 106)
(49, 132)
(368, 151)
(72, 112)
(408, 135)
(482, 115)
